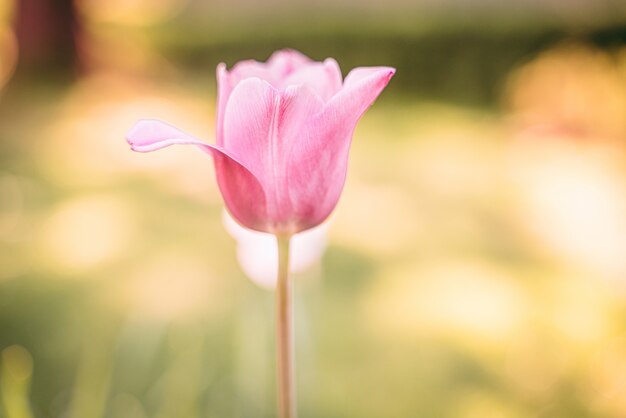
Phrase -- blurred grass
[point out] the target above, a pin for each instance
(471, 270)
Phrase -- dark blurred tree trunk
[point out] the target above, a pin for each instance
(47, 32)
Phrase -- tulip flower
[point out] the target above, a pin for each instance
(284, 130)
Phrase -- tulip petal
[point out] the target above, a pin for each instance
(261, 126)
(224, 88)
(243, 194)
(318, 162)
(323, 78)
(360, 88)
(278, 67)
(286, 61)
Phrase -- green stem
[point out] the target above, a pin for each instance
(284, 334)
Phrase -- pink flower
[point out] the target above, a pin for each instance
(284, 129)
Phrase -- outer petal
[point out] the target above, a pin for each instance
(318, 162)
(224, 88)
(243, 194)
(278, 67)
(261, 126)
(360, 88)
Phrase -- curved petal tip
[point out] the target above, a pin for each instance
(151, 134)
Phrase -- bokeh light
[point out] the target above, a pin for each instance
(474, 267)
(87, 232)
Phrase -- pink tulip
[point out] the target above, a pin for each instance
(284, 129)
(283, 136)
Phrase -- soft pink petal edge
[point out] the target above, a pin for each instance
(261, 125)
(248, 208)
(333, 129)
(281, 66)
(322, 77)
(360, 88)
(224, 88)
(278, 66)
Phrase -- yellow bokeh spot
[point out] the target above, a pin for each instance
(477, 404)
(17, 363)
(471, 302)
(130, 12)
(607, 377)
(85, 232)
(358, 224)
(168, 287)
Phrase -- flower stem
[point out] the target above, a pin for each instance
(284, 334)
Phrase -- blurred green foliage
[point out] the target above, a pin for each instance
(474, 262)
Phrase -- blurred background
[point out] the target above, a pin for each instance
(474, 268)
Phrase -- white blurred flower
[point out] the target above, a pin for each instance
(257, 252)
